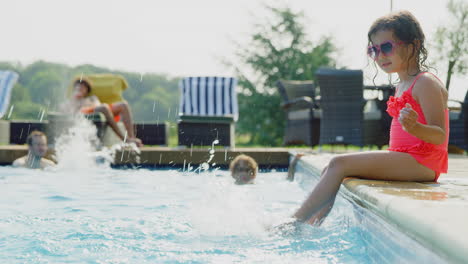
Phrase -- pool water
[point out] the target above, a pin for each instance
(104, 215)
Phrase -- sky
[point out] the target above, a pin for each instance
(182, 38)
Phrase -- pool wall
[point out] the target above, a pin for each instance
(167, 156)
(427, 212)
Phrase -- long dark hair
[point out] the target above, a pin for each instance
(407, 29)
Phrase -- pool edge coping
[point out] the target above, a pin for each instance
(388, 207)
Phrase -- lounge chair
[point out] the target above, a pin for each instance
(458, 135)
(7, 81)
(302, 112)
(344, 120)
(208, 111)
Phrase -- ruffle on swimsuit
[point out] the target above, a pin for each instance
(394, 105)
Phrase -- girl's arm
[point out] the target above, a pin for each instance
(429, 92)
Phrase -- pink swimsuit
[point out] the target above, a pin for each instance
(435, 157)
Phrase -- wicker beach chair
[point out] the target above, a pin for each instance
(7, 81)
(344, 120)
(458, 135)
(302, 112)
(208, 111)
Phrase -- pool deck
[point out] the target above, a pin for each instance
(179, 156)
(435, 214)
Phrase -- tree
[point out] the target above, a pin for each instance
(277, 50)
(452, 40)
(43, 86)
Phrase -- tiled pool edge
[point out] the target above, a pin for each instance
(438, 226)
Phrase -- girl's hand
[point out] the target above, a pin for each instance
(408, 118)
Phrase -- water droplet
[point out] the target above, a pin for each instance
(11, 111)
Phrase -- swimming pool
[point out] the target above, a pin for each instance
(104, 215)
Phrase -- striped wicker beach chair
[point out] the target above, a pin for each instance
(7, 81)
(208, 111)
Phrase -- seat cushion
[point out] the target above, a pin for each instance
(107, 88)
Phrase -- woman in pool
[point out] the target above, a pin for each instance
(420, 125)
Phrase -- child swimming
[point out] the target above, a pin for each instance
(243, 169)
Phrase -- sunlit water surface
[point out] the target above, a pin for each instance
(103, 215)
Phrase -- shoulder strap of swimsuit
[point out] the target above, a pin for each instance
(419, 75)
(410, 90)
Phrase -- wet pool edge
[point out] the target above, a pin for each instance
(420, 210)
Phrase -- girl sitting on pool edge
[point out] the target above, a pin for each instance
(420, 125)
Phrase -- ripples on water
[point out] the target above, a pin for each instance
(103, 215)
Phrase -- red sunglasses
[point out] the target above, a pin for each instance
(387, 48)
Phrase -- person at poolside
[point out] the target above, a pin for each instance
(420, 125)
(243, 169)
(85, 103)
(37, 149)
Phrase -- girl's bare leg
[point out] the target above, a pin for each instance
(317, 219)
(105, 109)
(374, 165)
(123, 109)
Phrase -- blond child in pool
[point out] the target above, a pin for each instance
(243, 169)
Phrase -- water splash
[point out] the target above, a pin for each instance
(76, 147)
(11, 111)
(79, 148)
(206, 165)
(42, 115)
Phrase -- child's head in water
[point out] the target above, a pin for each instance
(396, 43)
(243, 169)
